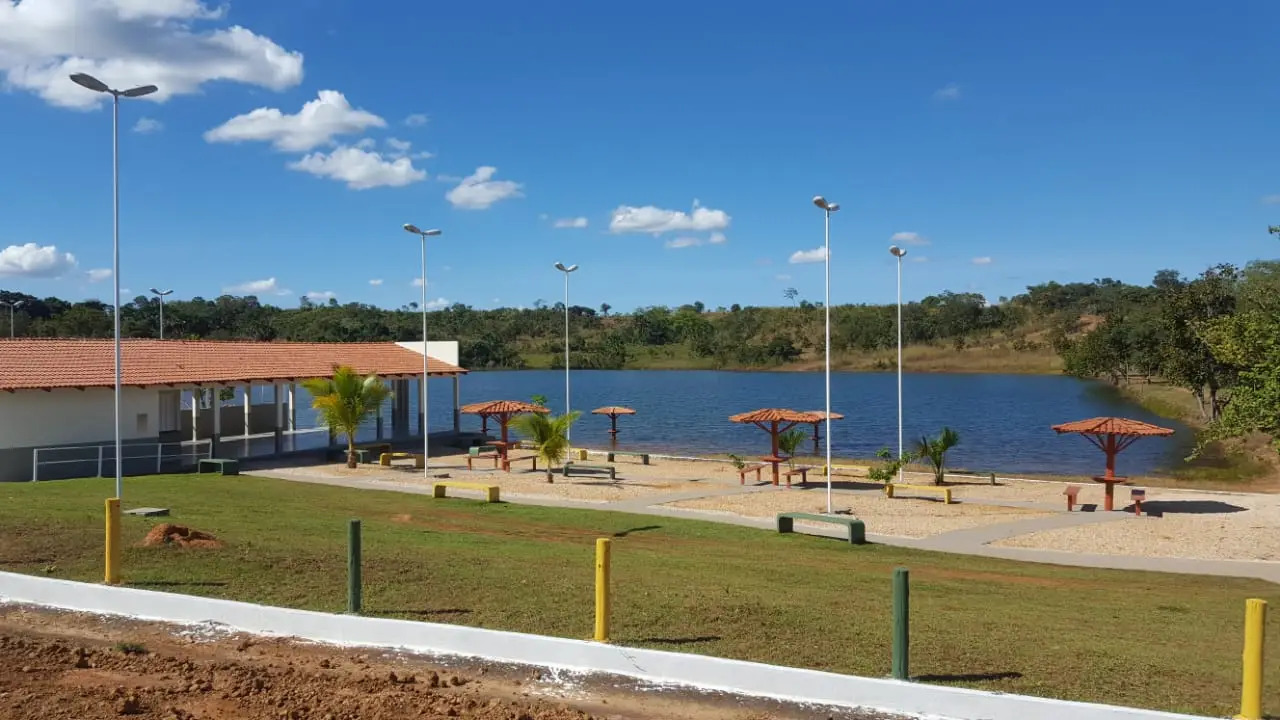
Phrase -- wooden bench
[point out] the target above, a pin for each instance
(490, 491)
(477, 450)
(857, 529)
(644, 457)
(803, 472)
(1137, 495)
(419, 460)
(945, 492)
(742, 474)
(221, 466)
(496, 456)
(532, 458)
(1072, 492)
(570, 467)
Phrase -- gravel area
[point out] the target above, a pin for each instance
(902, 516)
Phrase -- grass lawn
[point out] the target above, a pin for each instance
(1162, 641)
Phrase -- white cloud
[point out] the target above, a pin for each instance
(950, 92)
(982, 261)
(375, 282)
(321, 295)
(782, 278)
(36, 261)
(1271, 199)
(417, 282)
(654, 220)
(815, 255)
(257, 287)
(454, 179)
(366, 143)
(683, 242)
(909, 238)
(146, 126)
(177, 45)
(99, 274)
(438, 304)
(416, 120)
(479, 190)
(919, 258)
(717, 238)
(398, 145)
(317, 123)
(360, 169)
(577, 222)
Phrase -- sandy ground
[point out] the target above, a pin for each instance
(64, 666)
(901, 516)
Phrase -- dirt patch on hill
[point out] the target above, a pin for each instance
(180, 536)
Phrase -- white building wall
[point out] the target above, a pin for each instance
(442, 350)
(35, 418)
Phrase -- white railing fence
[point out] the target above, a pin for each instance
(85, 460)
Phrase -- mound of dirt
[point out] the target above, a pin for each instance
(182, 536)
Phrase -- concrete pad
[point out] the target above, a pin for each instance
(148, 512)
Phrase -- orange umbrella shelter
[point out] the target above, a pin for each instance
(774, 421)
(613, 411)
(1111, 435)
(822, 417)
(502, 411)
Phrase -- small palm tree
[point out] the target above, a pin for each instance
(934, 451)
(345, 401)
(549, 435)
(789, 442)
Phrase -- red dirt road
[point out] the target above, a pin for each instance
(65, 666)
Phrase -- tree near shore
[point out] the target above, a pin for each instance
(934, 451)
(346, 400)
(549, 435)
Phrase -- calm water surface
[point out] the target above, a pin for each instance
(1003, 420)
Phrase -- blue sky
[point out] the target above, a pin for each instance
(1014, 142)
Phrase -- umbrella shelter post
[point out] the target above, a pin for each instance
(775, 422)
(1112, 436)
(613, 411)
(821, 417)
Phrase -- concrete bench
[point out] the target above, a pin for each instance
(857, 529)
(572, 467)
(644, 457)
(495, 456)
(419, 461)
(532, 458)
(477, 450)
(490, 491)
(1073, 493)
(373, 449)
(803, 472)
(221, 466)
(742, 473)
(945, 492)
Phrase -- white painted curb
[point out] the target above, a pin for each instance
(696, 671)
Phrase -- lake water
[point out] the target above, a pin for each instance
(1003, 420)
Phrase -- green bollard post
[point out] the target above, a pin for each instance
(353, 567)
(901, 624)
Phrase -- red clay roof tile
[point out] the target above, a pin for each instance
(1112, 426)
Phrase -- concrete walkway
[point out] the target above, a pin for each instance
(970, 541)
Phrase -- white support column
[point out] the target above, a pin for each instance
(278, 396)
(457, 415)
(195, 413)
(215, 404)
(248, 413)
(293, 409)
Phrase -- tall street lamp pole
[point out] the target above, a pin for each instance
(899, 253)
(12, 306)
(426, 366)
(161, 294)
(827, 209)
(566, 270)
(92, 83)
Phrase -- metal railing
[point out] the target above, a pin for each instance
(96, 459)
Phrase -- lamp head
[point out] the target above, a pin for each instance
(822, 203)
(139, 91)
(86, 80)
(1274, 229)
(409, 227)
(897, 251)
(561, 267)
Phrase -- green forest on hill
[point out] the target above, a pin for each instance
(1216, 335)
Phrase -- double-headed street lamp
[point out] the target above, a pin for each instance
(161, 294)
(566, 270)
(96, 85)
(426, 364)
(899, 253)
(827, 209)
(12, 306)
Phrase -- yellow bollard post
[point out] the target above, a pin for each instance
(602, 589)
(112, 575)
(1255, 621)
